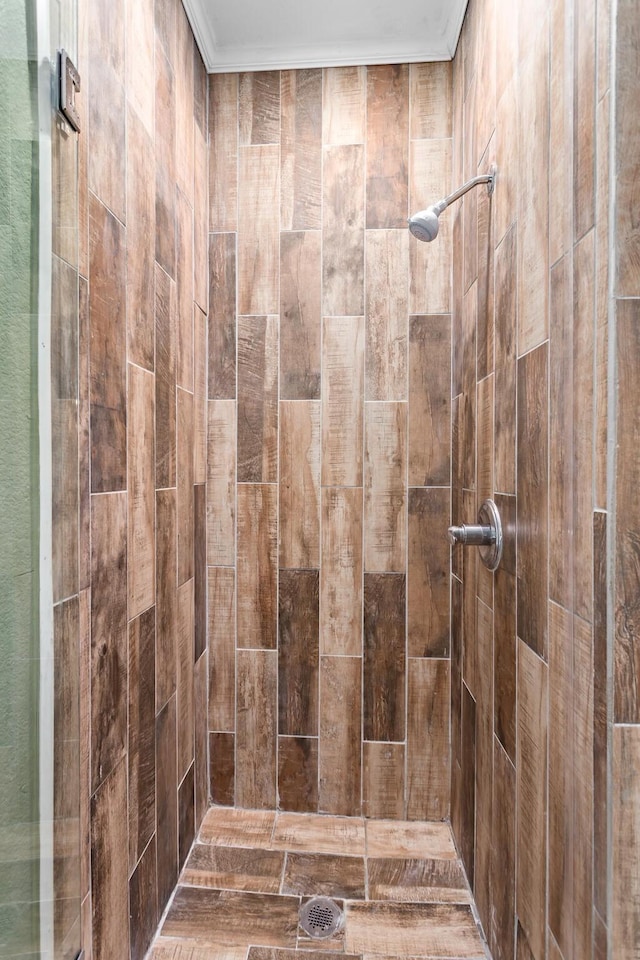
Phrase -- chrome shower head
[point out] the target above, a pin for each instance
(425, 224)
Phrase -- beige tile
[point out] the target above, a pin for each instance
(401, 929)
(389, 838)
(317, 834)
(238, 828)
(343, 105)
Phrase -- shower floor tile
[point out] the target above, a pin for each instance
(403, 890)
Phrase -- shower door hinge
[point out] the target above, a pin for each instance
(69, 86)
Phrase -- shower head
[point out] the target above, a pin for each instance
(425, 224)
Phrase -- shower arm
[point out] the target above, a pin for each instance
(488, 178)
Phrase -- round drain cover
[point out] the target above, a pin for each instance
(320, 917)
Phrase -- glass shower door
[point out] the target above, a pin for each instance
(39, 628)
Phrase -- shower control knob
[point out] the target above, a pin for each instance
(486, 534)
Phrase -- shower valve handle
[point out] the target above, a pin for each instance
(486, 534)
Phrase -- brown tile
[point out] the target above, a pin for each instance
(273, 953)
(504, 625)
(298, 653)
(384, 656)
(200, 569)
(168, 949)
(343, 105)
(561, 786)
(533, 194)
(107, 360)
(583, 781)
(391, 839)
(184, 469)
(257, 565)
(316, 874)
(383, 780)
(165, 163)
(533, 498)
(107, 116)
(316, 834)
(301, 149)
(385, 492)
(626, 652)
(600, 713)
(428, 739)
(300, 326)
(223, 151)
(186, 813)
(166, 802)
(456, 672)
(430, 263)
(165, 379)
(429, 400)
(467, 837)
(561, 93)
(584, 116)
(342, 401)
(258, 230)
(184, 101)
(601, 399)
(339, 744)
(561, 467)
(387, 145)
(84, 440)
(431, 99)
(625, 798)
(428, 573)
(143, 917)
(259, 107)
(503, 856)
(109, 872)
(221, 482)
(484, 764)
(416, 880)
(199, 396)
(84, 770)
(343, 231)
(141, 735)
(222, 316)
(298, 774)
(201, 218)
(167, 598)
(386, 309)
(237, 828)
(165, 23)
(256, 728)
(600, 938)
(470, 563)
(341, 572)
(486, 312)
(222, 670)
(430, 929)
(299, 484)
(505, 200)
(232, 868)
(583, 424)
(222, 760)
(141, 223)
(108, 634)
(184, 283)
(201, 743)
(627, 134)
(184, 685)
(141, 568)
(531, 774)
(222, 916)
(257, 399)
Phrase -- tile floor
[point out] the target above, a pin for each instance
(403, 890)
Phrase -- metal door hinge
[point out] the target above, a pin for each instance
(69, 86)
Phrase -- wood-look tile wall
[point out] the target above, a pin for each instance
(328, 471)
(143, 416)
(531, 309)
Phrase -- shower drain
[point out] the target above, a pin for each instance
(320, 917)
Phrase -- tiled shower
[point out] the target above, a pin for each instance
(283, 402)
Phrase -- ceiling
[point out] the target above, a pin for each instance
(238, 35)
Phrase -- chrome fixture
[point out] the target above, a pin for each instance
(486, 534)
(425, 224)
